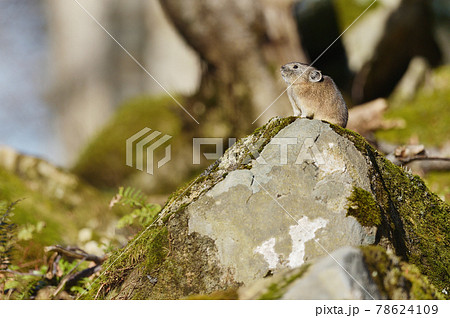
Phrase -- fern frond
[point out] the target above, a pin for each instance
(7, 233)
(143, 212)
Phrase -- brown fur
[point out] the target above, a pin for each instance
(319, 99)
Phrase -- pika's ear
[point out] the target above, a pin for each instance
(315, 76)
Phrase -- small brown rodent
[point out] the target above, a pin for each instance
(314, 95)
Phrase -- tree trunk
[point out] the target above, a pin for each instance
(242, 44)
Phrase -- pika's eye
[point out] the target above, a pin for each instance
(295, 67)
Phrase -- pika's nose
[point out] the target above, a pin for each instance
(283, 68)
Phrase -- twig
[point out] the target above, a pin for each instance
(65, 279)
(98, 292)
(73, 279)
(9, 271)
(411, 159)
(75, 253)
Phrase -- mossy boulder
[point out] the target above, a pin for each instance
(102, 163)
(260, 210)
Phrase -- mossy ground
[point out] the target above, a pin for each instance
(427, 115)
(62, 220)
(427, 118)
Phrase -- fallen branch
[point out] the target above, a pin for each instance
(404, 155)
(72, 278)
(9, 271)
(408, 160)
(76, 253)
(367, 118)
(62, 283)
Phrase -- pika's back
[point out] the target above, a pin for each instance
(313, 94)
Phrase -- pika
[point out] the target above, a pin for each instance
(314, 95)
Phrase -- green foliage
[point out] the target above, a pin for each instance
(63, 216)
(66, 267)
(22, 286)
(26, 285)
(7, 234)
(27, 231)
(143, 213)
(81, 287)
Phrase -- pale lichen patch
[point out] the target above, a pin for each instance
(301, 233)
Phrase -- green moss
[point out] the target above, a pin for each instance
(102, 163)
(144, 254)
(413, 219)
(348, 10)
(62, 219)
(273, 127)
(358, 141)
(228, 294)
(364, 208)
(397, 279)
(265, 134)
(427, 116)
(423, 228)
(157, 249)
(32, 208)
(276, 290)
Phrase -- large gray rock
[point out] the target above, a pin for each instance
(341, 275)
(275, 202)
(345, 274)
(289, 207)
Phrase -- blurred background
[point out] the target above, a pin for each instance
(70, 96)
